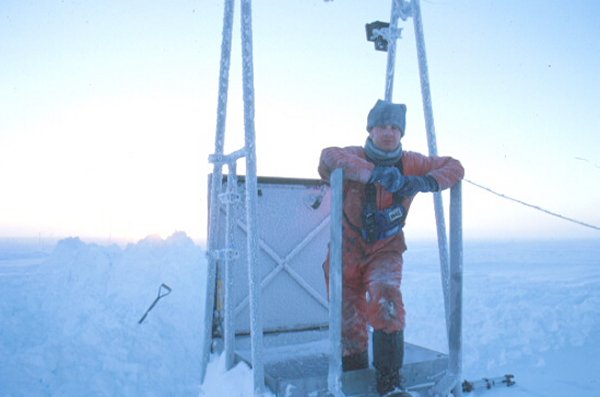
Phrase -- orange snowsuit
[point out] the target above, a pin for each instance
(372, 272)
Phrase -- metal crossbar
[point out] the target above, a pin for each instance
(282, 265)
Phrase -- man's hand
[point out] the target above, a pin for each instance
(393, 181)
(414, 184)
(389, 177)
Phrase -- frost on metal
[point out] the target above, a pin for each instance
(265, 239)
(336, 284)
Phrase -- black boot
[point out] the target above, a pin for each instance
(355, 361)
(388, 355)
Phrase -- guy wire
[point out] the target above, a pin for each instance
(533, 206)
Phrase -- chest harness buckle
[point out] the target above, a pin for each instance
(381, 224)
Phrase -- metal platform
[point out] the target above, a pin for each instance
(300, 369)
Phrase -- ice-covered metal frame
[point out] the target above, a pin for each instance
(235, 309)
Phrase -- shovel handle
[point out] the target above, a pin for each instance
(166, 287)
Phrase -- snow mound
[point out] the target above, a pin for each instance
(76, 332)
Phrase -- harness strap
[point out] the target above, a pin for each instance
(381, 224)
(370, 230)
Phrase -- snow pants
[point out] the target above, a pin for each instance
(372, 274)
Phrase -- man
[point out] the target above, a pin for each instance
(380, 182)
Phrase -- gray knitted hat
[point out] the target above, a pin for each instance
(387, 113)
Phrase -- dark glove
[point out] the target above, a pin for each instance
(389, 177)
(414, 184)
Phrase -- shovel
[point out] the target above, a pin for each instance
(163, 291)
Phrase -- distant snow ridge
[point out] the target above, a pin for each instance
(524, 317)
(520, 302)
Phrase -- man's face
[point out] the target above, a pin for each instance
(386, 137)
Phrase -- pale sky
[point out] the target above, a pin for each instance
(108, 109)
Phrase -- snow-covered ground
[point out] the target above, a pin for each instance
(69, 318)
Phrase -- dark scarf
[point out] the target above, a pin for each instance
(381, 157)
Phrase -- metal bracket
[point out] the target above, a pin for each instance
(405, 10)
(223, 254)
(229, 198)
(220, 158)
(381, 34)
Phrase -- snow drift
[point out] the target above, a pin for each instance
(70, 318)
